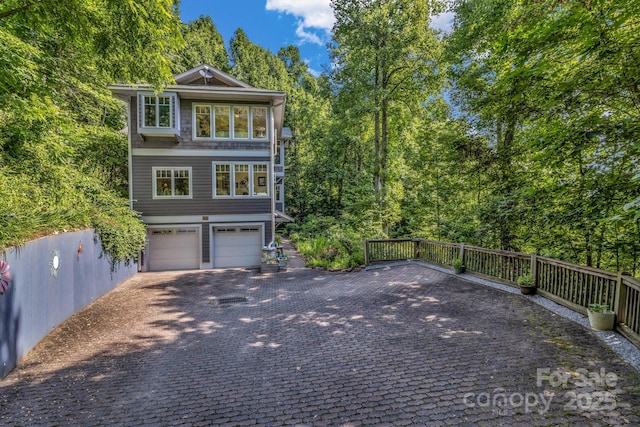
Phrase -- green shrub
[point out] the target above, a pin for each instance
(327, 243)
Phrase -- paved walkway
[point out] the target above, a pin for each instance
(395, 346)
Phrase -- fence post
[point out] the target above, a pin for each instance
(462, 253)
(620, 300)
(366, 251)
(534, 270)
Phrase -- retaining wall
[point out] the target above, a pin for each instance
(52, 278)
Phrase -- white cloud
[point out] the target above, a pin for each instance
(314, 73)
(307, 36)
(443, 22)
(313, 15)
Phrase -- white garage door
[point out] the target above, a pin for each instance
(173, 248)
(237, 246)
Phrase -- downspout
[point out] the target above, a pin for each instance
(274, 138)
(130, 172)
(129, 156)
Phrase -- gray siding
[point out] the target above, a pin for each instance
(186, 127)
(202, 202)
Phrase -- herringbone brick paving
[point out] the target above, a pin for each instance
(394, 346)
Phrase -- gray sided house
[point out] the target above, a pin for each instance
(206, 169)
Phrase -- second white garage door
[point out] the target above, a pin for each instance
(237, 246)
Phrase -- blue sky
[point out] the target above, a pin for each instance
(273, 24)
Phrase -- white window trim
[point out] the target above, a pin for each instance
(173, 169)
(212, 120)
(233, 180)
(174, 112)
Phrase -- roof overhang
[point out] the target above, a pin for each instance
(282, 217)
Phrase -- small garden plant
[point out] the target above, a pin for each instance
(525, 280)
(328, 243)
(457, 262)
(598, 308)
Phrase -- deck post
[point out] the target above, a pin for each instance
(534, 270)
(366, 252)
(620, 300)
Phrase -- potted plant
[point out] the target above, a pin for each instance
(283, 260)
(269, 263)
(600, 317)
(526, 284)
(458, 265)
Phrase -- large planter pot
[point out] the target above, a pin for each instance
(527, 290)
(602, 320)
(458, 270)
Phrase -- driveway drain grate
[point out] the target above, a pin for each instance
(232, 300)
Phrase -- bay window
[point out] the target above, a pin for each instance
(158, 114)
(157, 111)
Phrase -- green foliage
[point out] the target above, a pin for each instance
(525, 280)
(256, 65)
(328, 243)
(63, 160)
(457, 262)
(549, 94)
(598, 308)
(204, 45)
(384, 56)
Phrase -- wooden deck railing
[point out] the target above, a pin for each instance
(567, 284)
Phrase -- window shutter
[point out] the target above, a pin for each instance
(140, 109)
(175, 112)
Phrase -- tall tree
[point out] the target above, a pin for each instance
(203, 45)
(555, 83)
(256, 65)
(384, 54)
(57, 118)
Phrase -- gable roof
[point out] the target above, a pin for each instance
(207, 75)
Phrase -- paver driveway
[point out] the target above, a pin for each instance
(397, 346)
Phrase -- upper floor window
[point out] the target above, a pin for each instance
(230, 122)
(158, 113)
(259, 122)
(240, 180)
(241, 122)
(203, 121)
(222, 121)
(171, 182)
